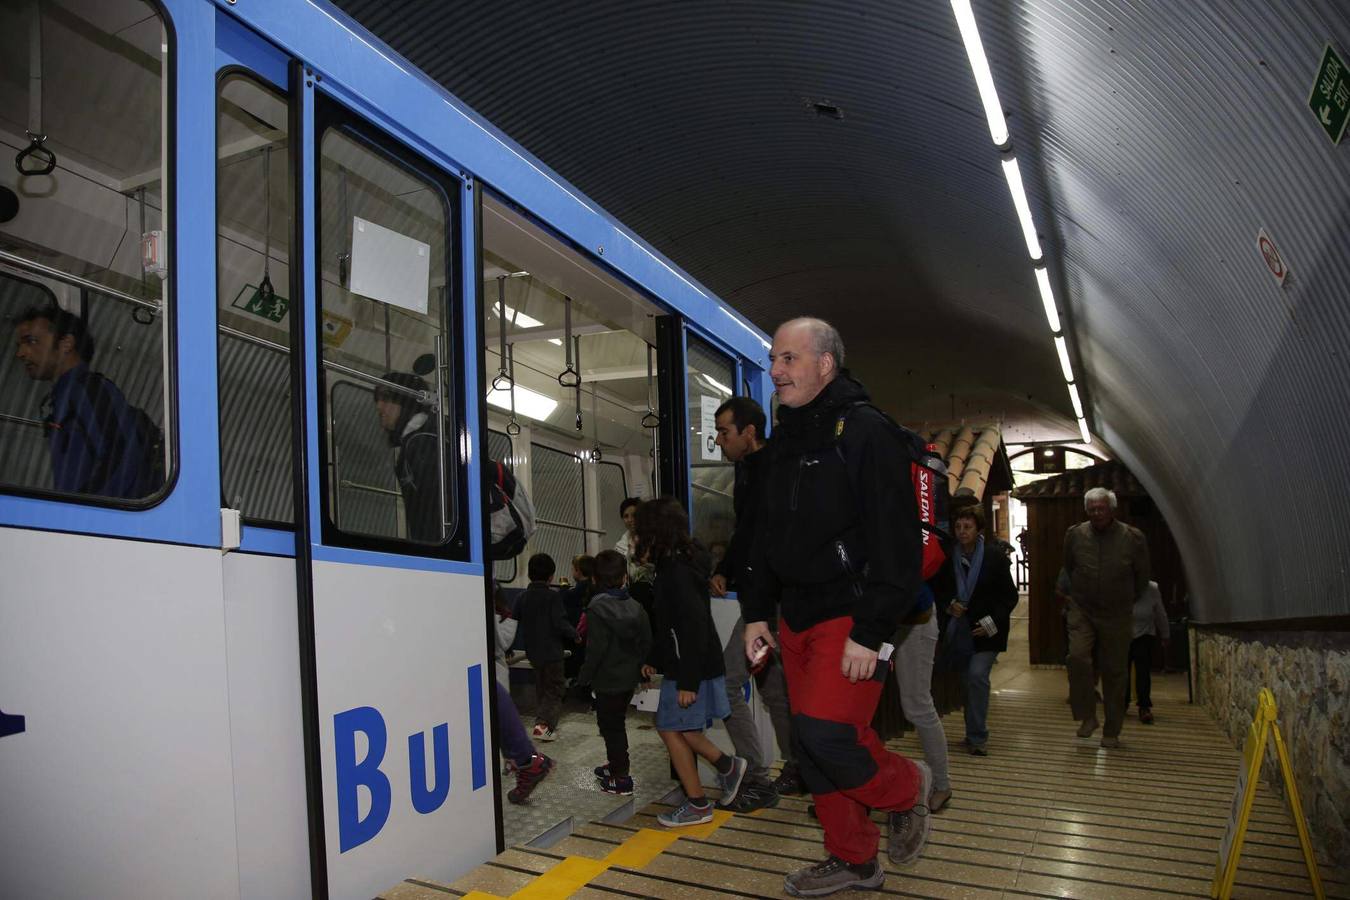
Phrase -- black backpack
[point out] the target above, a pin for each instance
(149, 438)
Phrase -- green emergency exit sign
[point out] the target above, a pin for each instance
(1330, 97)
(272, 307)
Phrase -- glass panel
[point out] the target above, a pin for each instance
(253, 209)
(559, 505)
(712, 477)
(90, 342)
(384, 270)
(500, 449)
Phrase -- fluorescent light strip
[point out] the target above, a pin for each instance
(1076, 400)
(979, 64)
(1019, 197)
(1048, 299)
(520, 320)
(715, 384)
(531, 404)
(1082, 430)
(1062, 349)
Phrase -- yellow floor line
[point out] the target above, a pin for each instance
(563, 880)
(481, 895)
(641, 848)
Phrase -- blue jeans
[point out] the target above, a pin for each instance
(976, 683)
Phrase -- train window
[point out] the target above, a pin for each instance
(712, 476)
(386, 283)
(501, 449)
(612, 489)
(559, 506)
(87, 189)
(253, 214)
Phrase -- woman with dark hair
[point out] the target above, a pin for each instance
(975, 598)
(412, 430)
(693, 689)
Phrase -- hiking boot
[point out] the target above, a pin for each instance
(789, 782)
(909, 829)
(1111, 743)
(617, 784)
(687, 813)
(833, 874)
(1089, 725)
(528, 778)
(755, 793)
(730, 783)
(542, 732)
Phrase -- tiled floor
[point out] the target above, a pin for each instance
(1046, 814)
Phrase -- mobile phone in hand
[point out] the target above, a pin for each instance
(760, 654)
(883, 668)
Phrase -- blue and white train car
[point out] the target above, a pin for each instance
(236, 658)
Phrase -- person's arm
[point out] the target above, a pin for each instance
(506, 633)
(1160, 623)
(558, 613)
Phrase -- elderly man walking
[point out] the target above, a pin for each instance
(1107, 565)
(838, 549)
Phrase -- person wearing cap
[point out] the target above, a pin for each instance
(412, 430)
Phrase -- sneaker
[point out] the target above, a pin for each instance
(730, 783)
(833, 874)
(938, 800)
(755, 793)
(1146, 716)
(528, 778)
(542, 732)
(602, 772)
(789, 782)
(686, 814)
(1111, 743)
(1089, 725)
(977, 749)
(617, 784)
(909, 829)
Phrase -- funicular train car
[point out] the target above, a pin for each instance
(231, 229)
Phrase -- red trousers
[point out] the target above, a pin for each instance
(842, 761)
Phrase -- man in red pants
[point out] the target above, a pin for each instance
(839, 551)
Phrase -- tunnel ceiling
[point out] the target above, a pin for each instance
(833, 159)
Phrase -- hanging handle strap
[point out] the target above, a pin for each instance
(505, 378)
(651, 419)
(576, 342)
(570, 377)
(266, 292)
(35, 159)
(512, 427)
(41, 160)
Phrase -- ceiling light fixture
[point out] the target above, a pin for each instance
(1019, 197)
(979, 64)
(530, 404)
(1076, 400)
(715, 384)
(518, 319)
(1048, 298)
(1082, 430)
(1062, 349)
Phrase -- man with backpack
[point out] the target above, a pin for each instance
(99, 443)
(838, 548)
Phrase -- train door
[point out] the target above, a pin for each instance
(388, 537)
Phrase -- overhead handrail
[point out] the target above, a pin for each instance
(570, 376)
(46, 271)
(35, 151)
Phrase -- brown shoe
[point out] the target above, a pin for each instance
(1090, 725)
(1111, 743)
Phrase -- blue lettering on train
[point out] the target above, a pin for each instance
(427, 793)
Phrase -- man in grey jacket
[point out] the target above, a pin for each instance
(1107, 564)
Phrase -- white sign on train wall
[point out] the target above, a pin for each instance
(708, 449)
(1272, 258)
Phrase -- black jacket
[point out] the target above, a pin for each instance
(995, 595)
(543, 624)
(618, 639)
(750, 473)
(418, 472)
(687, 645)
(837, 525)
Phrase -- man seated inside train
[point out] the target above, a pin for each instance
(411, 430)
(96, 443)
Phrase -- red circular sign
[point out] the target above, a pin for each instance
(1272, 257)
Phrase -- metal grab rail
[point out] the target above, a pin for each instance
(711, 490)
(20, 420)
(569, 526)
(38, 268)
(369, 488)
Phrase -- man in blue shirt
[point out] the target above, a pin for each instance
(95, 445)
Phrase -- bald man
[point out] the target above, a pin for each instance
(838, 549)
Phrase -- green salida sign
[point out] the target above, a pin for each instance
(251, 300)
(1330, 97)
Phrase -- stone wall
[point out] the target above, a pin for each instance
(1309, 674)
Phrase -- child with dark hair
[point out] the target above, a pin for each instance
(575, 600)
(618, 640)
(693, 689)
(543, 622)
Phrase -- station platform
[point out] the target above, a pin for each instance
(1046, 814)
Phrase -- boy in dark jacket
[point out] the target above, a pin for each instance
(693, 689)
(618, 639)
(544, 625)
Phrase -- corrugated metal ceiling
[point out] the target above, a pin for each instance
(1156, 139)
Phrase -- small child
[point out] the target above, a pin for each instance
(619, 637)
(693, 690)
(543, 622)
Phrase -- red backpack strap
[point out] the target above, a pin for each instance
(501, 476)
